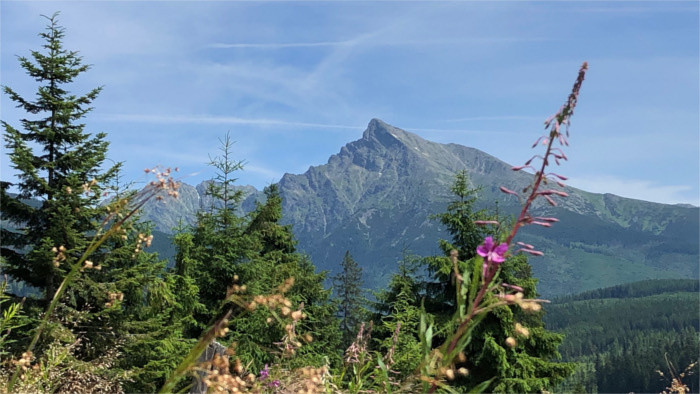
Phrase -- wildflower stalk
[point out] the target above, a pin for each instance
(449, 349)
(562, 118)
(219, 327)
(195, 352)
(115, 209)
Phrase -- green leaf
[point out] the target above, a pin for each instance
(481, 387)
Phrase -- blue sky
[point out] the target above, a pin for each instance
(295, 81)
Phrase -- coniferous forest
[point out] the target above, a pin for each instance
(88, 307)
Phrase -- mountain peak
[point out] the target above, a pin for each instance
(377, 129)
(385, 134)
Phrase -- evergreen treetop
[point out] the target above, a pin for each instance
(348, 287)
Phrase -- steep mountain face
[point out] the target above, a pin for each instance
(376, 196)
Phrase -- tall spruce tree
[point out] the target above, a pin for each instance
(218, 241)
(348, 288)
(125, 314)
(54, 157)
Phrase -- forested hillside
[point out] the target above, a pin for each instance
(622, 335)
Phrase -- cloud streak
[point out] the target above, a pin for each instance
(501, 117)
(380, 42)
(280, 45)
(207, 119)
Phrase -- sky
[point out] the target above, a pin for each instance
(292, 82)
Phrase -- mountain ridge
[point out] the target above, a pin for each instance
(376, 195)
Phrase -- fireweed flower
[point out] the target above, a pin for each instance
(492, 254)
(265, 373)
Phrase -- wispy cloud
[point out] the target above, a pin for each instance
(501, 117)
(380, 42)
(208, 119)
(620, 7)
(636, 188)
(281, 45)
(273, 175)
(481, 132)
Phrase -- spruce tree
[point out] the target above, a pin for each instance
(218, 242)
(55, 159)
(124, 314)
(275, 260)
(348, 288)
(528, 367)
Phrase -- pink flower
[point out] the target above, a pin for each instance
(493, 256)
(491, 252)
(265, 373)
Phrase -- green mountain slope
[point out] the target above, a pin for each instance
(622, 335)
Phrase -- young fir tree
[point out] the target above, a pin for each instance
(54, 158)
(348, 287)
(217, 244)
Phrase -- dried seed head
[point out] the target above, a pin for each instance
(521, 330)
(461, 357)
(510, 341)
